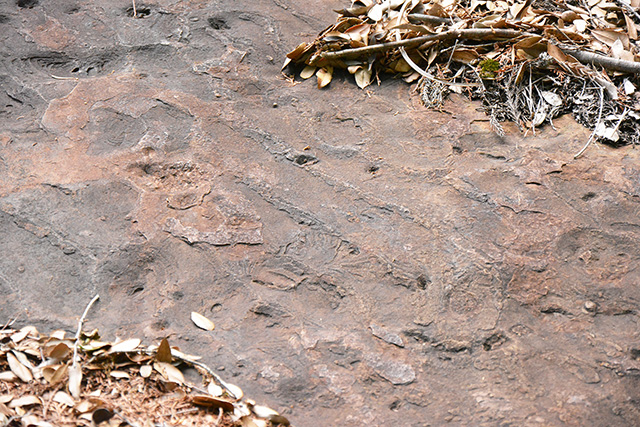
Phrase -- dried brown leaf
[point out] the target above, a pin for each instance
(209, 401)
(18, 368)
(59, 375)
(59, 351)
(324, 76)
(164, 352)
(169, 372)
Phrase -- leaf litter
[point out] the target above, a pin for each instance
(55, 380)
(528, 61)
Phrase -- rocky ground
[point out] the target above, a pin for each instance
(366, 261)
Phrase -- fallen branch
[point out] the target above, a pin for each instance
(607, 62)
(481, 34)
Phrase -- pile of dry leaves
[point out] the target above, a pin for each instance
(528, 61)
(56, 380)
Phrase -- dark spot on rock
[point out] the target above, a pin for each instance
(635, 353)
(160, 325)
(303, 159)
(218, 23)
(262, 308)
(177, 295)
(4, 19)
(136, 290)
(75, 70)
(588, 196)
(422, 281)
(28, 4)
(494, 341)
(553, 309)
(395, 405)
(142, 11)
(418, 335)
(72, 9)
(373, 168)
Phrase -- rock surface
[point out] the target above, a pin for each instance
(164, 163)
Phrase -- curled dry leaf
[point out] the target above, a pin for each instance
(324, 76)
(169, 372)
(363, 77)
(59, 351)
(307, 72)
(58, 375)
(202, 322)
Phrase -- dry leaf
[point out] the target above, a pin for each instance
(263, 411)
(120, 375)
(25, 401)
(202, 322)
(324, 76)
(164, 352)
(214, 389)
(8, 376)
(124, 346)
(307, 72)
(18, 368)
(609, 37)
(363, 77)
(209, 401)
(145, 371)
(58, 375)
(169, 372)
(75, 379)
(64, 398)
(235, 391)
(60, 351)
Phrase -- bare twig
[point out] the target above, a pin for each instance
(135, 13)
(79, 331)
(596, 126)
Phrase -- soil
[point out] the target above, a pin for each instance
(366, 261)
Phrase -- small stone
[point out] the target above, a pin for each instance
(385, 335)
(590, 307)
(275, 105)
